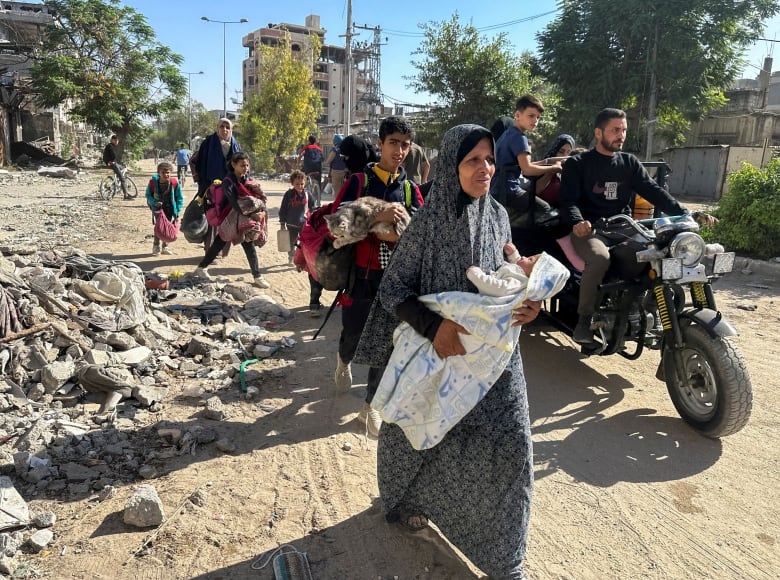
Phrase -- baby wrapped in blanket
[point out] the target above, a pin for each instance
(426, 395)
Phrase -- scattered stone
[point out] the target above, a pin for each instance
(7, 565)
(13, 509)
(44, 519)
(148, 395)
(199, 497)
(147, 472)
(215, 409)
(56, 374)
(347, 446)
(144, 508)
(10, 543)
(40, 539)
(134, 356)
(108, 492)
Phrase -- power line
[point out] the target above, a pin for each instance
(408, 34)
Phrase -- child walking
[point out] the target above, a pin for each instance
(297, 204)
(164, 192)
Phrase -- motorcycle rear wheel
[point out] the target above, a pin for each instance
(715, 395)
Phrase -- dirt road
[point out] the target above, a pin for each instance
(624, 488)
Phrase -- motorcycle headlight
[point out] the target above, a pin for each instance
(688, 247)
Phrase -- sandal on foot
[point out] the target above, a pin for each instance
(414, 523)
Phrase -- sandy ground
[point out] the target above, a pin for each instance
(624, 489)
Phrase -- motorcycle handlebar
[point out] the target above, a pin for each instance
(605, 223)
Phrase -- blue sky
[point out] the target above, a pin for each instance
(178, 24)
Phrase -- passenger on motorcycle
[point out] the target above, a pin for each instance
(601, 183)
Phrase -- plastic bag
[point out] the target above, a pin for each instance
(165, 229)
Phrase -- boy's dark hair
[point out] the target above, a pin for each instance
(297, 174)
(164, 165)
(527, 101)
(312, 139)
(113, 137)
(606, 115)
(393, 124)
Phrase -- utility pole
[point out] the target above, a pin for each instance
(224, 24)
(370, 52)
(189, 98)
(348, 71)
(652, 121)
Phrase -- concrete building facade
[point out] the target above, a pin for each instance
(329, 74)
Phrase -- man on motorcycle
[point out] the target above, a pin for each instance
(601, 183)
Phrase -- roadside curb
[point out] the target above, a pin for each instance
(760, 267)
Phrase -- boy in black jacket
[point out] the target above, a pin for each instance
(297, 204)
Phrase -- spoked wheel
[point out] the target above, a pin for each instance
(132, 188)
(106, 188)
(711, 390)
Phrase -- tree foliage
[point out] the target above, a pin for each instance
(103, 59)
(285, 112)
(600, 54)
(749, 213)
(173, 127)
(473, 78)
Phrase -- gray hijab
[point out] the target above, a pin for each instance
(451, 232)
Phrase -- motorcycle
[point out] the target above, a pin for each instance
(643, 304)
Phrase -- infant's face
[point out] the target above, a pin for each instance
(527, 263)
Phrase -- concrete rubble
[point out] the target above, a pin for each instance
(88, 357)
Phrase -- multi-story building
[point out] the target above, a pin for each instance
(329, 75)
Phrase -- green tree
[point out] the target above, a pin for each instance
(285, 112)
(602, 54)
(104, 58)
(173, 127)
(473, 78)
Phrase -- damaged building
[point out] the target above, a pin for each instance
(23, 25)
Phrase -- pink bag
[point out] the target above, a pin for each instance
(165, 229)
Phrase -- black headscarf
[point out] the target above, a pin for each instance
(560, 141)
(444, 238)
(357, 152)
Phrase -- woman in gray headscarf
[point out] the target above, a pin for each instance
(476, 483)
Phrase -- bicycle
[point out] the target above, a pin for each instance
(313, 186)
(181, 174)
(109, 186)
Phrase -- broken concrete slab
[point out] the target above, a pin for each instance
(14, 512)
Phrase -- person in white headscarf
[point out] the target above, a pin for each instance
(476, 483)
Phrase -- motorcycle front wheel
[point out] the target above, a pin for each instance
(711, 390)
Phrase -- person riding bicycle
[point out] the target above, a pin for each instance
(182, 162)
(111, 158)
(311, 156)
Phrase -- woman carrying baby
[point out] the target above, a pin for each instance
(476, 483)
(383, 179)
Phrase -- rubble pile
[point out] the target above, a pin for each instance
(90, 351)
(67, 214)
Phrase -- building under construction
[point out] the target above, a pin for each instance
(329, 74)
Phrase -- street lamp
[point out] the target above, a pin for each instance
(224, 24)
(189, 98)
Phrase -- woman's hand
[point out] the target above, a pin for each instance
(526, 312)
(446, 342)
